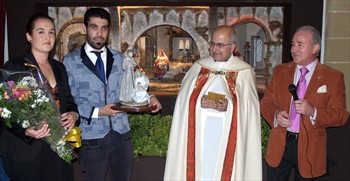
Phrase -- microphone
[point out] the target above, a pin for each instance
(293, 90)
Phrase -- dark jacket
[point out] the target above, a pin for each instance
(14, 144)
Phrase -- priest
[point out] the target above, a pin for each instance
(216, 132)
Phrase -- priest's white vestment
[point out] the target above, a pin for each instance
(206, 144)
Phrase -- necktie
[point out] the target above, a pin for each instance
(301, 89)
(99, 65)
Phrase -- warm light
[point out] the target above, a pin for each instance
(187, 44)
(181, 44)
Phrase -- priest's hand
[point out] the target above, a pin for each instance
(222, 105)
(207, 103)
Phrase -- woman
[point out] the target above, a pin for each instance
(25, 155)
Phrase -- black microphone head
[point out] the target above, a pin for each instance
(293, 90)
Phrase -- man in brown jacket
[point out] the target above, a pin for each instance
(322, 106)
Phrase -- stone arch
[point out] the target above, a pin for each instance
(255, 21)
(69, 30)
(200, 41)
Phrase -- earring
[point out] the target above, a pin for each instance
(30, 41)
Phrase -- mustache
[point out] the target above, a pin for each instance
(100, 37)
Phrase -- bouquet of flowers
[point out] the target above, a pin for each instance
(27, 102)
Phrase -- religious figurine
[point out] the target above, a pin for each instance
(139, 93)
(127, 85)
(161, 64)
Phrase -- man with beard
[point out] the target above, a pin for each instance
(215, 132)
(107, 149)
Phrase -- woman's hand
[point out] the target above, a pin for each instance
(44, 131)
(69, 119)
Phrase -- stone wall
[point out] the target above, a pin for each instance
(337, 39)
(129, 23)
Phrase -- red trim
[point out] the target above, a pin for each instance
(231, 144)
(191, 151)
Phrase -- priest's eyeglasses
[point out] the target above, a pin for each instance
(218, 45)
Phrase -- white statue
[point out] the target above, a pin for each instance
(127, 85)
(139, 93)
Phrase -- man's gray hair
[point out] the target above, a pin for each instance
(316, 38)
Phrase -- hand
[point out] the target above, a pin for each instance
(208, 103)
(107, 110)
(69, 119)
(304, 107)
(220, 105)
(283, 118)
(44, 131)
(155, 103)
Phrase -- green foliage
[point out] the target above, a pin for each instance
(265, 131)
(150, 134)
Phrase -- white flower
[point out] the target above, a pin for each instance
(25, 124)
(6, 113)
(1, 84)
(46, 99)
(33, 106)
(41, 100)
(28, 81)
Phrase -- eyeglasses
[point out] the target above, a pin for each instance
(218, 45)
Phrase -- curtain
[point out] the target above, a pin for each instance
(2, 31)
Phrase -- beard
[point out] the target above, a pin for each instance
(97, 45)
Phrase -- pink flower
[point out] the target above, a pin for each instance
(21, 92)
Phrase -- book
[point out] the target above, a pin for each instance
(215, 96)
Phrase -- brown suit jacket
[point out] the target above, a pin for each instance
(331, 112)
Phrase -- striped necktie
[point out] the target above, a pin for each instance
(301, 89)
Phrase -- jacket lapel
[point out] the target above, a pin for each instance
(29, 58)
(316, 80)
(110, 61)
(88, 63)
(288, 75)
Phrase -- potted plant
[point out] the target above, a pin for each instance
(150, 135)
